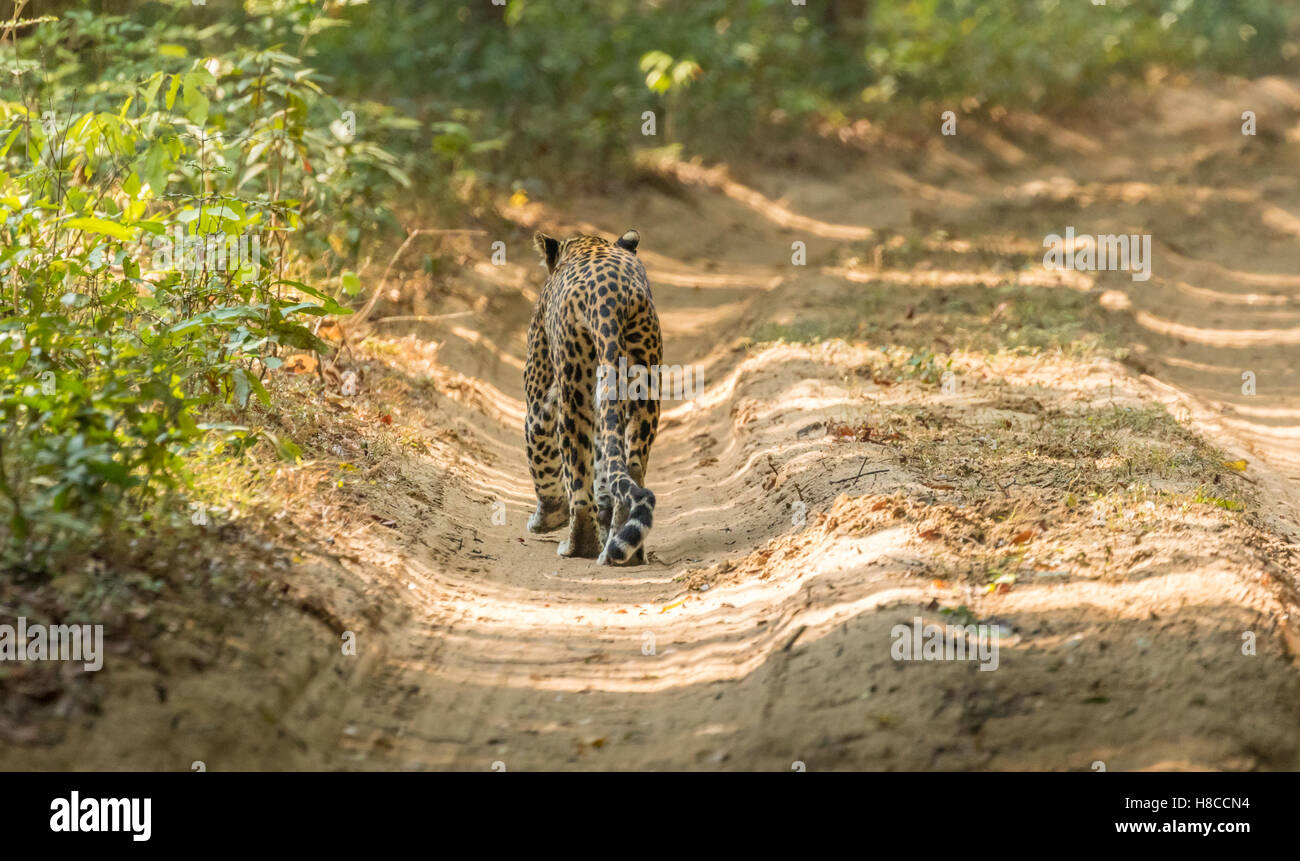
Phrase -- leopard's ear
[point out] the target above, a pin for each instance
(629, 240)
(548, 247)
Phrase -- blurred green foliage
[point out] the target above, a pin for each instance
(552, 85)
(156, 201)
(1032, 51)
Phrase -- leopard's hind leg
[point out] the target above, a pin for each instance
(604, 499)
(643, 418)
(544, 462)
(575, 416)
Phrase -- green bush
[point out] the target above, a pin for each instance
(1032, 51)
(151, 223)
(556, 88)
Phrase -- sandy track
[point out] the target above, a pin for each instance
(759, 635)
(1223, 209)
(519, 658)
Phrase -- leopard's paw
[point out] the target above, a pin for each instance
(548, 518)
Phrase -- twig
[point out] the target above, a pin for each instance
(422, 318)
(859, 475)
(360, 317)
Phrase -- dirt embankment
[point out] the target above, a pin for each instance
(830, 483)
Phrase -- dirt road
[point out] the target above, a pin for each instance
(823, 489)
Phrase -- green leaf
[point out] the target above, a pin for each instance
(288, 450)
(9, 141)
(100, 225)
(172, 90)
(242, 387)
(351, 283)
(196, 104)
(331, 306)
(151, 91)
(293, 335)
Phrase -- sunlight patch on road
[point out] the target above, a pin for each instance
(1218, 337)
(723, 634)
(716, 178)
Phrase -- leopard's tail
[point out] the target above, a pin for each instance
(638, 501)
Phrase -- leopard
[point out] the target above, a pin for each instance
(588, 447)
